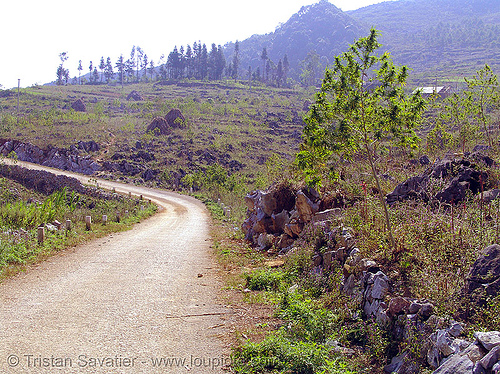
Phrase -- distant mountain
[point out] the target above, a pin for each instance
(436, 38)
(320, 27)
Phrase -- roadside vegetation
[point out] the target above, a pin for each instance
(314, 327)
(22, 211)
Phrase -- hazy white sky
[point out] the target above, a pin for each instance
(34, 32)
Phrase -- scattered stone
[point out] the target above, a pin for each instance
(491, 358)
(456, 329)
(483, 280)
(414, 307)
(367, 264)
(426, 311)
(398, 305)
(424, 160)
(274, 264)
(490, 195)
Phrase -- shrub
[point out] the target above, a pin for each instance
(277, 354)
(264, 280)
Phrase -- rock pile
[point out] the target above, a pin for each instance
(277, 217)
(456, 175)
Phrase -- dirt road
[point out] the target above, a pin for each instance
(129, 303)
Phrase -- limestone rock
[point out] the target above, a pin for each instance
(490, 195)
(491, 358)
(483, 280)
(305, 207)
(135, 96)
(398, 305)
(327, 215)
(78, 106)
(489, 339)
(175, 119)
(159, 124)
(456, 364)
(380, 286)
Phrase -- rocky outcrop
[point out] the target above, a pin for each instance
(135, 96)
(159, 125)
(283, 212)
(48, 183)
(79, 106)
(483, 280)
(175, 119)
(457, 175)
(60, 158)
(164, 125)
(284, 219)
(90, 146)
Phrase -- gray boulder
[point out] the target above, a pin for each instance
(483, 280)
(488, 340)
(305, 207)
(490, 195)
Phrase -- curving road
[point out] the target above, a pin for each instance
(132, 302)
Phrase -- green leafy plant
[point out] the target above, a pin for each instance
(264, 280)
(361, 105)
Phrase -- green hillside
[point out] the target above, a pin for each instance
(441, 38)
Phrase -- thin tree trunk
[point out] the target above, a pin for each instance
(381, 196)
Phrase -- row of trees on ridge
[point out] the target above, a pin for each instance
(192, 62)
